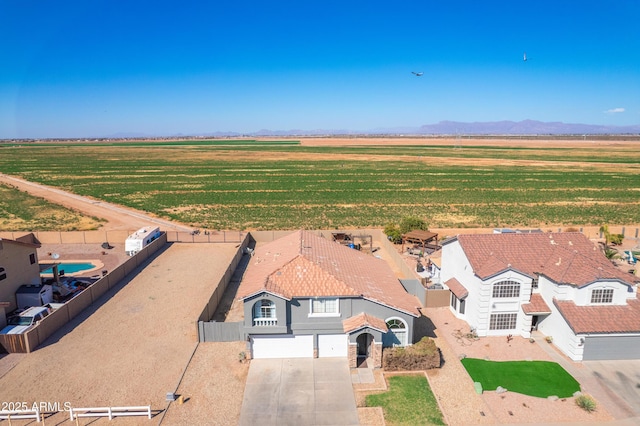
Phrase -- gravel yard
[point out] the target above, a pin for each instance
(133, 346)
(454, 388)
(113, 355)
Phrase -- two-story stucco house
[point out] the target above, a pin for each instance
(306, 296)
(558, 283)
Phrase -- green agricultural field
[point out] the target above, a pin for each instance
(21, 212)
(285, 185)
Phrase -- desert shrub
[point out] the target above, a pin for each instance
(586, 402)
(616, 239)
(423, 355)
(393, 233)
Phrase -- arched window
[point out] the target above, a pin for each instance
(264, 313)
(397, 332)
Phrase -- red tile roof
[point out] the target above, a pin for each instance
(456, 288)
(363, 320)
(601, 319)
(565, 258)
(536, 305)
(303, 264)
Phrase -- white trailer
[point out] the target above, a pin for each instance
(140, 239)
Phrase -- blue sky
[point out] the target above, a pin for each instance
(98, 68)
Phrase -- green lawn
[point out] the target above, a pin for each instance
(534, 378)
(409, 401)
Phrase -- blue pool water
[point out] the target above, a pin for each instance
(71, 267)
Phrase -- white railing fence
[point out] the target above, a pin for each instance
(21, 414)
(111, 412)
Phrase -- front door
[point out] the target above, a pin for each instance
(364, 342)
(534, 322)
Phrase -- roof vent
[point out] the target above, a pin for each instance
(570, 243)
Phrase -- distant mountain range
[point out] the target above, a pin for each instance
(525, 127)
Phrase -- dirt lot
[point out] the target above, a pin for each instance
(463, 141)
(132, 347)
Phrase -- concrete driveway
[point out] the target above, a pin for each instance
(299, 391)
(621, 382)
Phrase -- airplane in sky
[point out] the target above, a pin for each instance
(417, 74)
(524, 57)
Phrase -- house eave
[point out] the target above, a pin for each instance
(256, 293)
(495, 274)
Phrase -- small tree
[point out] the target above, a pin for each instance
(393, 233)
(411, 223)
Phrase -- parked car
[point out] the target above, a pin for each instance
(25, 321)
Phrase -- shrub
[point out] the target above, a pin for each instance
(587, 403)
(393, 233)
(616, 239)
(411, 223)
(423, 355)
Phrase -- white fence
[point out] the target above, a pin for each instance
(21, 414)
(111, 412)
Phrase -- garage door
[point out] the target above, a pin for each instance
(611, 347)
(282, 346)
(332, 345)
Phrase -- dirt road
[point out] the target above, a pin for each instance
(118, 217)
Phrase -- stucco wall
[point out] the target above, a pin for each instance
(480, 303)
(15, 259)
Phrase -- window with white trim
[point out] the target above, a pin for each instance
(399, 329)
(324, 306)
(506, 289)
(502, 321)
(602, 295)
(267, 309)
(264, 313)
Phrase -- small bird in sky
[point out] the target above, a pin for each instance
(417, 74)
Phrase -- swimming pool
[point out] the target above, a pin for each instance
(71, 267)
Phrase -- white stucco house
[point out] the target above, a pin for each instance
(560, 284)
